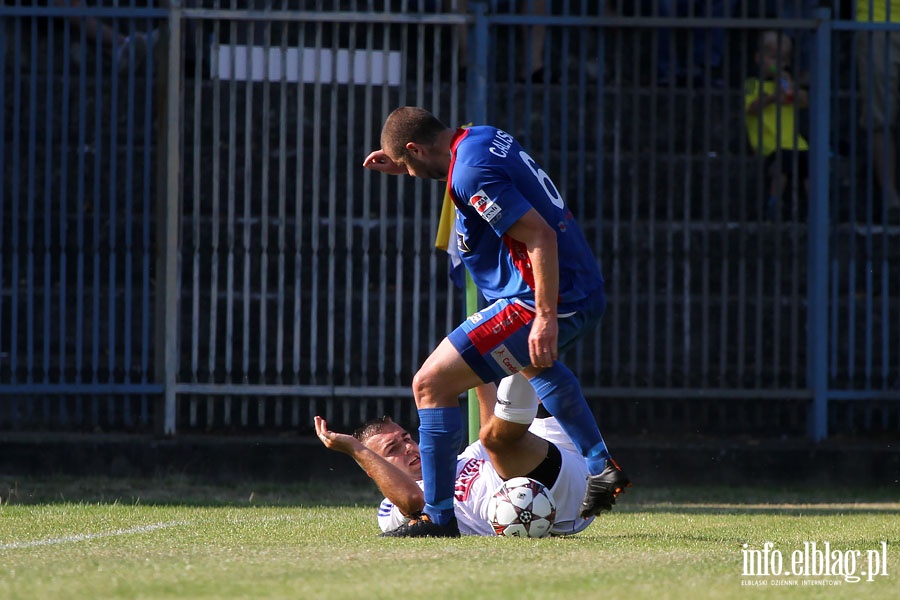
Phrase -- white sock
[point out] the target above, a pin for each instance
(517, 401)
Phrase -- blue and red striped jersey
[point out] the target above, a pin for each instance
(493, 183)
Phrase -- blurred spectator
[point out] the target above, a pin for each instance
(798, 9)
(878, 59)
(706, 47)
(531, 48)
(771, 101)
(121, 48)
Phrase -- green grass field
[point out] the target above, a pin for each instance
(173, 539)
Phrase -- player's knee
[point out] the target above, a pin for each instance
(498, 435)
(421, 386)
(427, 388)
(489, 438)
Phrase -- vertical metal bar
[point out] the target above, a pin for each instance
(264, 217)
(854, 217)
(669, 337)
(350, 164)
(113, 117)
(774, 330)
(230, 223)
(192, 255)
(436, 95)
(513, 95)
(817, 291)
(3, 188)
(591, 349)
(246, 237)
(565, 110)
(398, 219)
(313, 223)
(264, 200)
(599, 151)
(724, 231)
(686, 233)
(837, 72)
(80, 203)
(477, 109)
(16, 197)
(196, 245)
(299, 220)
(230, 234)
(890, 97)
(146, 249)
(795, 304)
(705, 175)
(455, 308)
(795, 297)
(886, 297)
(479, 41)
(315, 219)
(30, 201)
(216, 219)
(332, 209)
(129, 242)
(653, 228)
(282, 220)
(759, 332)
(366, 238)
(96, 208)
(742, 217)
(409, 356)
(616, 197)
(381, 319)
(170, 271)
(48, 214)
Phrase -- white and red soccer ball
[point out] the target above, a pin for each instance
(522, 507)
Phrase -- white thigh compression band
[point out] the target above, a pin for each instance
(516, 400)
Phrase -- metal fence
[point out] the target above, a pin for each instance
(190, 243)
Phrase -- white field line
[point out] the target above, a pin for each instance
(81, 537)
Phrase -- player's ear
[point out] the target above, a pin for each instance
(413, 148)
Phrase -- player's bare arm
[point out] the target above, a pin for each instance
(397, 486)
(379, 161)
(540, 240)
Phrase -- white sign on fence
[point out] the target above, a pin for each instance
(308, 65)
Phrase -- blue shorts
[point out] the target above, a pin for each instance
(494, 341)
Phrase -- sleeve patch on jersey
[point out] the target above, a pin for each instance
(486, 207)
(461, 244)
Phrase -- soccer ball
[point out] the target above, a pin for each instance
(522, 507)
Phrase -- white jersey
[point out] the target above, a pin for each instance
(476, 482)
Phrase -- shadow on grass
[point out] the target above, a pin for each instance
(800, 499)
(182, 491)
(773, 509)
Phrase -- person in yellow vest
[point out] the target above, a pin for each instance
(878, 61)
(771, 101)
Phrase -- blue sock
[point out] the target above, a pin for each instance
(561, 395)
(440, 435)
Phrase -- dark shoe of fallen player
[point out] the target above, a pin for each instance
(602, 490)
(422, 526)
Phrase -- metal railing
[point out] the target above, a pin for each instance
(190, 243)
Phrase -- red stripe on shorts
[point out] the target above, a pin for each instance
(491, 333)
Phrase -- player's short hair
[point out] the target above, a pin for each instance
(371, 428)
(409, 124)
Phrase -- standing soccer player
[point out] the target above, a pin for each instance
(529, 258)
